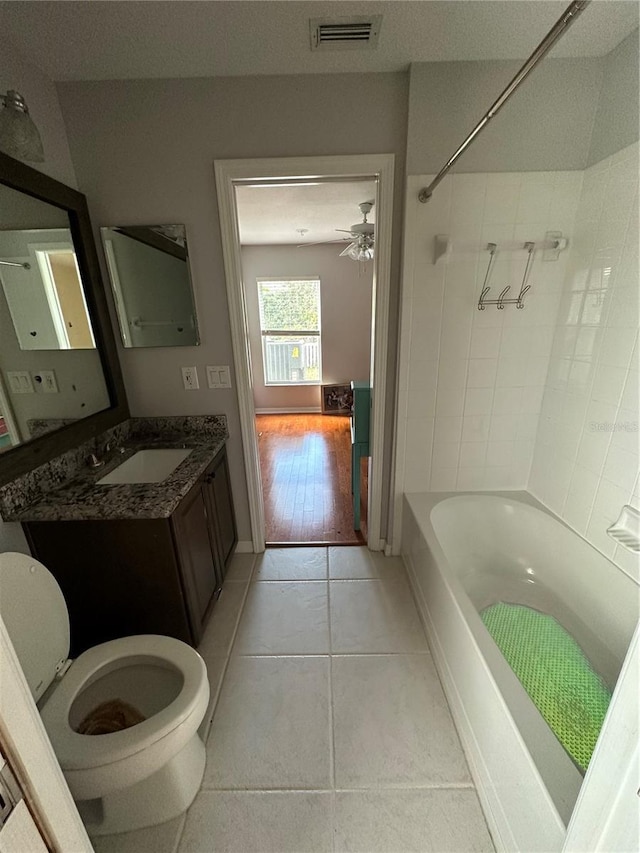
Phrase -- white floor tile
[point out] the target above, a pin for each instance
(220, 629)
(284, 618)
(273, 759)
(259, 822)
(271, 726)
(291, 564)
(374, 616)
(359, 562)
(153, 839)
(392, 726)
(441, 820)
(240, 567)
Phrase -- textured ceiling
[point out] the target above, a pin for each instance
(273, 215)
(125, 39)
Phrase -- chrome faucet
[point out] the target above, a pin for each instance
(94, 462)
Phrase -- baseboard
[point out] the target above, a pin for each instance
(290, 410)
(244, 547)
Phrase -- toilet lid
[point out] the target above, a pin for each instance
(34, 611)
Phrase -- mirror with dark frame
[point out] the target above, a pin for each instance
(60, 380)
(151, 283)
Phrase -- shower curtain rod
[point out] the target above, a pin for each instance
(560, 27)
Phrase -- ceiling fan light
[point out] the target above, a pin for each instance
(19, 137)
(360, 253)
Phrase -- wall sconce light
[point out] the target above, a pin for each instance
(19, 136)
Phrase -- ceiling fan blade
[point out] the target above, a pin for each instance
(321, 243)
(347, 250)
(344, 230)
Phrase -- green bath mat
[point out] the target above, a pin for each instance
(555, 673)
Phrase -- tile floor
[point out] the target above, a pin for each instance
(327, 729)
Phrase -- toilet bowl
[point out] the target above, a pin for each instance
(138, 776)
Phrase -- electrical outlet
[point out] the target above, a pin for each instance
(190, 378)
(46, 379)
(20, 382)
(218, 376)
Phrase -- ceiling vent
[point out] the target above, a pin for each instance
(357, 33)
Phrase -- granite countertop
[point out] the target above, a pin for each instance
(81, 499)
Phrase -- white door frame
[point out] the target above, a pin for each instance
(378, 166)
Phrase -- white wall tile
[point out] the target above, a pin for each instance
(448, 429)
(504, 427)
(485, 342)
(589, 425)
(491, 366)
(507, 401)
(452, 373)
(450, 400)
(501, 198)
(476, 427)
(445, 454)
(511, 373)
(478, 401)
(482, 372)
(472, 454)
(500, 453)
(621, 467)
(470, 479)
(443, 479)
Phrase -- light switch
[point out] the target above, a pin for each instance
(218, 376)
(20, 382)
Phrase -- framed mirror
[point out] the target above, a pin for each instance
(60, 380)
(151, 282)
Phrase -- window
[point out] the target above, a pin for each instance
(290, 327)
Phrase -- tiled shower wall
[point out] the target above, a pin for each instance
(471, 382)
(586, 464)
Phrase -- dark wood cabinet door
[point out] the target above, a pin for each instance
(193, 545)
(217, 488)
(118, 578)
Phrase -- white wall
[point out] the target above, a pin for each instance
(42, 99)
(345, 294)
(586, 455)
(547, 123)
(616, 121)
(471, 382)
(144, 152)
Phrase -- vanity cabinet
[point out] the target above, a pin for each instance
(143, 576)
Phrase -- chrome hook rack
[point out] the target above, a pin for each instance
(501, 301)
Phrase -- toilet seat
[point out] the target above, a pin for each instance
(78, 751)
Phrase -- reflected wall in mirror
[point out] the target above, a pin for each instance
(50, 371)
(149, 271)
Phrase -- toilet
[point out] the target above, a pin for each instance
(138, 776)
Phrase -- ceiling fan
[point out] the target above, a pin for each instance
(361, 234)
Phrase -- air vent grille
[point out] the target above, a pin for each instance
(359, 33)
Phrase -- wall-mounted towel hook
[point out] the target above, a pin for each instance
(492, 248)
(501, 301)
(503, 293)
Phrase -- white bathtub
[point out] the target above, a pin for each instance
(466, 551)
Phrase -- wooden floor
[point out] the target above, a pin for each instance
(305, 463)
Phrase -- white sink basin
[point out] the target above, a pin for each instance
(146, 466)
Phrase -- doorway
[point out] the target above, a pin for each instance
(305, 467)
(377, 169)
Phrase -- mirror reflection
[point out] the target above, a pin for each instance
(50, 370)
(149, 271)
